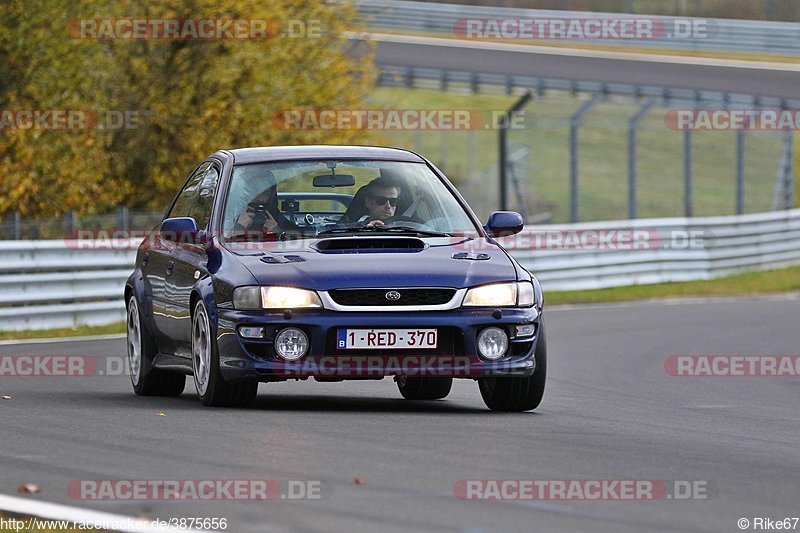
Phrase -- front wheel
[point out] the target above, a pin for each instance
(518, 394)
(146, 380)
(211, 387)
(414, 388)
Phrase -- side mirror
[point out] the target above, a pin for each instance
(504, 224)
(182, 230)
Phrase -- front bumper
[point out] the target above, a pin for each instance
(456, 355)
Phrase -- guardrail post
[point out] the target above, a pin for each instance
(633, 126)
(740, 139)
(574, 124)
(503, 145)
(687, 172)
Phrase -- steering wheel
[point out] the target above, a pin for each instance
(402, 220)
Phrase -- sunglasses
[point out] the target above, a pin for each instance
(381, 200)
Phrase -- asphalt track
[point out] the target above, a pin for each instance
(611, 411)
(638, 69)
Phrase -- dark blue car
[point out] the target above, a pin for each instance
(331, 263)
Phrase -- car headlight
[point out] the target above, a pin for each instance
(501, 295)
(254, 298)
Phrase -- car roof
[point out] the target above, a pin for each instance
(283, 153)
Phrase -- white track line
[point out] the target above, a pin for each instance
(578, 52)
(56, 511)
(56, 340)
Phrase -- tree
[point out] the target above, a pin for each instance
(184, 98)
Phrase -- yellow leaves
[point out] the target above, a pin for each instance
(196, 96)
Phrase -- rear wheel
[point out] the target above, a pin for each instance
(146, 380)
(415, 388)
(518, 394)
(211, 387)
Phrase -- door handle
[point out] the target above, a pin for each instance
(170, 266)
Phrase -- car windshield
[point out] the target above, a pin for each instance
(302, 199)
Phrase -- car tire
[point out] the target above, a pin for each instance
(416, 388)
(147, 380)
(212, 389)
(518, 394)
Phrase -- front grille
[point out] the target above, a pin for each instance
(377, 297)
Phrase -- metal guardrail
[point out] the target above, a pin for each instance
(61, 283)
(476, 82)
(674, 249)
(727, 34)
(48, 284)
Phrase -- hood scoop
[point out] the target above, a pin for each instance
(356, 245)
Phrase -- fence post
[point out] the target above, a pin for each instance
(789, 188)
(574, 124)
(123, 218)
(740, 139)
(687, 172)
(72, 223)
(503, 145)
(633, 126)
(16, 226)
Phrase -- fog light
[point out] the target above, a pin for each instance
(249, 332)
(291, 344)
(526, 330)
(492, 343)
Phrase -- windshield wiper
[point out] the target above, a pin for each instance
(257, 236)
(335, 231)
(407, 229)
(384, 229)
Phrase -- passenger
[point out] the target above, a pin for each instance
(262, 212)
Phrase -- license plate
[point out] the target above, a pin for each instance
(387, 339)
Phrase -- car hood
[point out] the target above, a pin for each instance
(363, 262)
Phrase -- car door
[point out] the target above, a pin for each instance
(190, 260)
(161, 267)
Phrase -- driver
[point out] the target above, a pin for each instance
(381, 201)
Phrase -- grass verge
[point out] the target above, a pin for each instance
(764, 282)
(79, 331)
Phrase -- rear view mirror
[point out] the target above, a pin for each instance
(334, 180)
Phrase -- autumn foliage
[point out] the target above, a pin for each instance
(144, 111)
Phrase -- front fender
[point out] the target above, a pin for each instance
(204, 289)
